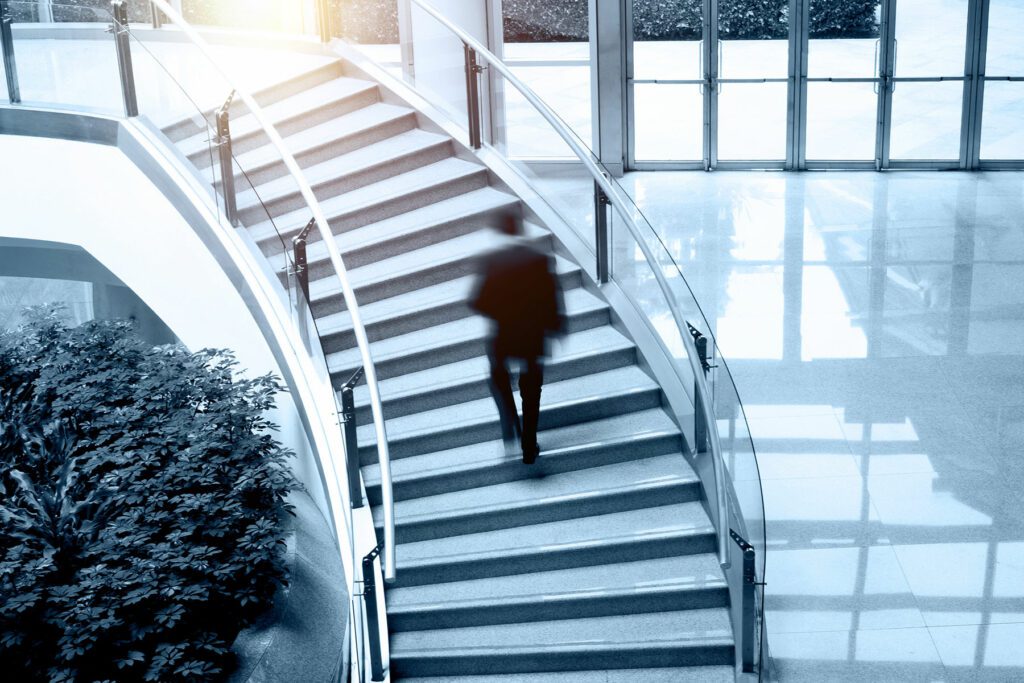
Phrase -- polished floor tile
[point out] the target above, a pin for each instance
(873, 324)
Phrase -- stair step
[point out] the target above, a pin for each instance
(581, 399)
(416, 229)
(601, 602)
(331, 139)
(658, 480)
(663, 639)
(589, 351)
(696, 568)
(501, 468)
(678, 528)
(288, 116)
(419, 269)
(398, 151)
(415, 310)
(688, 674)
(564, 449)
(448, 342)
(185, 128)
(378, 201)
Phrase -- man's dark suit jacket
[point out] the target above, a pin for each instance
(518, 289)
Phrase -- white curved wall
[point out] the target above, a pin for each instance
(93, 196)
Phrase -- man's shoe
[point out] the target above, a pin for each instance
(530, 454)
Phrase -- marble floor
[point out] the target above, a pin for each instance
(875, 327)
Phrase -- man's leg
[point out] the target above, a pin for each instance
(529, 390)
(501, 389)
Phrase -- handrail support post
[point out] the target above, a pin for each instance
(473, 71)
(323, 20)
(7, 48)
(125, 69)
(156, 16)
(227, 169)
(348, 424)
(372, 620)
(602, 237)
(749, 603)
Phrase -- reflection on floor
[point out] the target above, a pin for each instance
(874, 323)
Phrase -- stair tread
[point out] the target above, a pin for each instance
(686, 674)
(488, 454)
(337, 128)
(595, 341)
(618, 382)
(333, 90)
(577, 302)
(662, 470)
(469, 246)
(665, 519)
(431, 175)
(690, 627)
(432, 215)
(454, 290)
(701, 569)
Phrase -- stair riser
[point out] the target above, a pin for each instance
(432, 274)
(551, 559)
(326, 150)
(412, 321)
(514, 470)
(550, 418)
(280, 205)
(461, 350)
(332, 109)
(479, 387)
(386, 207)
(619, 501)
(494, 661)
(567, 608)
(265, 97)
(417, 239)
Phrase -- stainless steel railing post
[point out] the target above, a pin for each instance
(748, 628)
(156, 16)
(372, 620)
(473, 71)
(348, 424)
(125, 70)
(602, 237)
(7, 47)
(323, 20)
(227, 169)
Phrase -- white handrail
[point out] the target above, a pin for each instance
(617, 201)
(383, 457)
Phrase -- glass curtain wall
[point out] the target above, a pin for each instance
(825, 83)
(1002, 129)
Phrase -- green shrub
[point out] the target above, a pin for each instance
(141, 520)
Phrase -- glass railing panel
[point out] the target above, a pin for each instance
(634, 272)
(61, 72)
(440, 65)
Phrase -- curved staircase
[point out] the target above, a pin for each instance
(595, 564)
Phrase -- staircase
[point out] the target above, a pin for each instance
(595, 564)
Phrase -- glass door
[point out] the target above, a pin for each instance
(1002, 133)
(668, 76)
(843, 63)
(927, 86)
(752, 100)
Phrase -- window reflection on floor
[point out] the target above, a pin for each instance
(873, 324)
